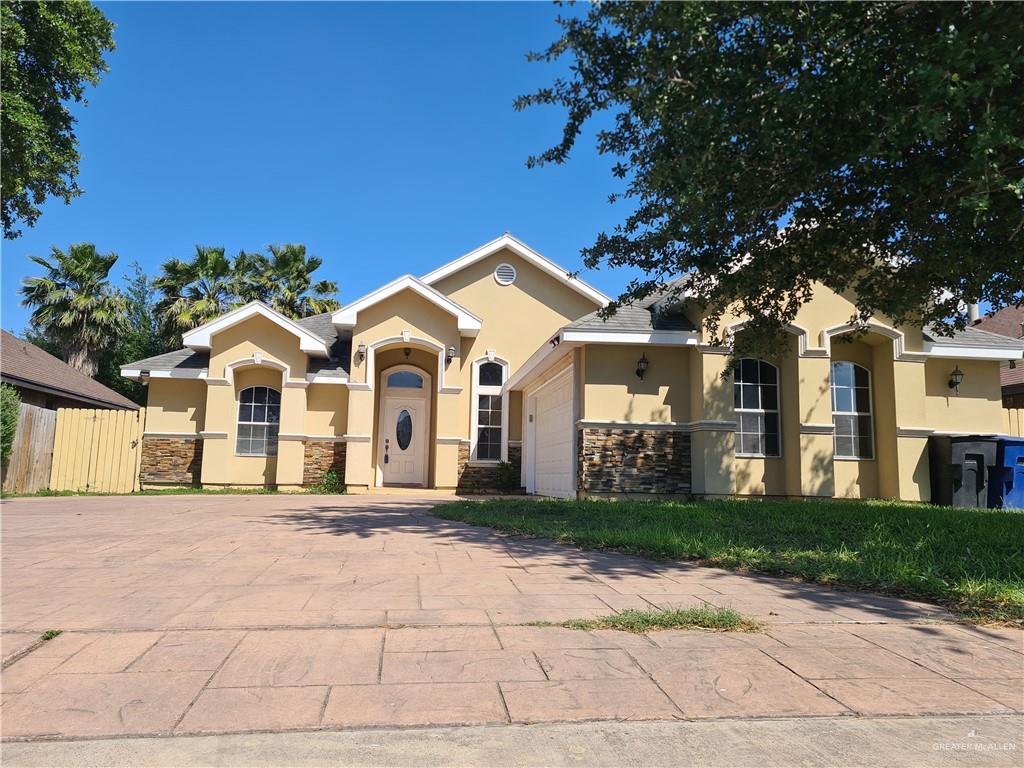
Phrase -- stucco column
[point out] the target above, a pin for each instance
(449, 435)
(220, 420)
(817, 444)
(912, 480)
(713, 436)
(291, 446)
(358, 463)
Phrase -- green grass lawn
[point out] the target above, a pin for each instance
(971, 561)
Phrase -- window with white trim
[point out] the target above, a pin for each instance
(755, 386)
(489, 421)
(259, 415)
(851, 411)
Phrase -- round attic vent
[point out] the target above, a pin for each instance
(505, 274)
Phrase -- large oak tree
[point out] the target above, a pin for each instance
(877, 148)
(51, 51)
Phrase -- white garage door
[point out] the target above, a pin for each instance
(553, 435)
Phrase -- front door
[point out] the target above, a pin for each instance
(404, 430)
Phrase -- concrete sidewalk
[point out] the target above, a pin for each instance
(826, 742)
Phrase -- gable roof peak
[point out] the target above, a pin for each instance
(469, 324)
(200, 338)
(525, 252)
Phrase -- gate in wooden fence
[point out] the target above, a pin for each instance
(97, 450)
(28, 468)
(1014, 421)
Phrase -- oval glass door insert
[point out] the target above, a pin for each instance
(403, 430)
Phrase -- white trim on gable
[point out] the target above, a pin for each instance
(469, 324)
(201, 338)
(525, 252)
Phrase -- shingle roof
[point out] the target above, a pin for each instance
(26, 365)
(1008, 321)
(180, 359)
(339, 346)
(633, 318)
(973, 336)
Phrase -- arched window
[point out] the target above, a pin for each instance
(756, 396)
(489, 412)
(259, 414)
(851, 411)
(405, 380)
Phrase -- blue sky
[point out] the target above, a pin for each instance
(380, 135)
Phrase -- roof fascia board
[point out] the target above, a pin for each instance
(608, 336)
(525, 252)
(538, 362)
(187, 373)
(201, 338)
(469, 324)
(933, 349)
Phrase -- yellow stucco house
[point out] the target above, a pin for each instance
(500, 356)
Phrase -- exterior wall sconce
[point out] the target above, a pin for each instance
(641, 367)
(406, 352)
(450, 355)
(360, 353)
(956, 378)
(555, 341)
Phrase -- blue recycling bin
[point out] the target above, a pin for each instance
(1007, 488)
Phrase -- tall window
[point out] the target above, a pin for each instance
(851, 411)
(756, 396)
(489, 413)
(259, 414)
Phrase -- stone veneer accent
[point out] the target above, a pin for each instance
(321, 456)
(633, 461)
(483, 478)
(171, 460)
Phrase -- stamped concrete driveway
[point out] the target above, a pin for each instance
(199, 614)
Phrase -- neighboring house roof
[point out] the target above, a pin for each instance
(26, 365)
(200, 338)
(1009, 322)
(469, 323)
(525, 252)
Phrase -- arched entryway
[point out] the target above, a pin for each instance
(403, 429)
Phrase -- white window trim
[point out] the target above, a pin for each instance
(870, 414)
(239, 423)
(777, 410)
(475, 391)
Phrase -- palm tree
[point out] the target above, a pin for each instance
(194, 292)
(289, 283)
(74, 304)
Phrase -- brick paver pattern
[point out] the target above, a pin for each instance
(208, 614)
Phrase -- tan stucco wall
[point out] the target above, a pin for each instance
(614, 392)
(517, 318)
(221, 466)
(175, 406)
(326, 410)
(978, 405)
(257, 334)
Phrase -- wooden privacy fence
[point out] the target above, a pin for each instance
(28, 469)
(97, 450)
(1014, 421)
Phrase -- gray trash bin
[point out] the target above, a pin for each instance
(961, 467)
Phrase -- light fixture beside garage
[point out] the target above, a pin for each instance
(641, 367)
(956, 378)
(360, 353)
